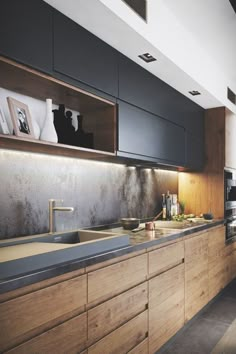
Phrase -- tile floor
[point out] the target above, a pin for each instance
(203, 332)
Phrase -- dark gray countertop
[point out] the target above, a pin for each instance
(138, 241)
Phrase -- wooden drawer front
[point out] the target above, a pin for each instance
(25, 316)
(141, 348)
(216, 243)
(104, 318)
(216, 276)
(165, 258)
(112, 280)
(166, 306)
(124, 338)
(196, 275)
(69, 337)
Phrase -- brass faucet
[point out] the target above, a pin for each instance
(52, 209)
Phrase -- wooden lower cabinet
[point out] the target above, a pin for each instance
(111, 314)
(29, 315)
(141, 348)
(196, 274)
(166, 306)
(69, 337)
(123, 339)
(112, 280)
(216, 261)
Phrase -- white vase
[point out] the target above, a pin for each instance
(36, 129)
(48, 132)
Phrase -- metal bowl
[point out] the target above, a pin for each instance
(129, 223)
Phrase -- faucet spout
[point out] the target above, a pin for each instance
(52, 209)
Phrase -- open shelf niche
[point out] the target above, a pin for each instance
(99, 115)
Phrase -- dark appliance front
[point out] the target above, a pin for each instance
(230, 202)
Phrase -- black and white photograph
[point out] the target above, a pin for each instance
(21, 118)
(3, 123)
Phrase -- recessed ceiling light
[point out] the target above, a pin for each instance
(194, 93)
(147, 57)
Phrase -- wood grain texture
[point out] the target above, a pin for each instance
(166, 306)
(40, 285)
(230, 139)
(69, 337)
(165, 258)
(114, 279)
(141, 348)
(124, 338)
(198, 190)
(216, 261)
(196, 274)
(32, 313)
(113, 313)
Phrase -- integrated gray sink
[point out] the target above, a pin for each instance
(32, 253)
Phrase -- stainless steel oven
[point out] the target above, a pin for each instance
(230, 202)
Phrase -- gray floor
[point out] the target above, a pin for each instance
(205, 330)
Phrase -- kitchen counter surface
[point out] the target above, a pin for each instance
(138, 241)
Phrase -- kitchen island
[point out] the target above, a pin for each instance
(128, 300)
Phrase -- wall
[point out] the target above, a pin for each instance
(100, 192)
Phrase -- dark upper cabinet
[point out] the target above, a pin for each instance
(142, 133)
(83, 56)
(26, 32)
(142, 89)
(194, 152)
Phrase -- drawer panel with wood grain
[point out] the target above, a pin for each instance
(216, 243)
(112, 280)
(28, 315)
(166, 306)
(196, 274)
(69, 337)
(123, 339)
(165, 258)
(141, 348)
(111, 314)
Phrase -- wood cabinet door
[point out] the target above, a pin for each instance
(69, 337)
(123, 339)
(216, 265)
(165, 258)
(31, 314)
(82, 56)
(196, 274)
(26, 32)
(166, 306)
(145, 134)
(116, 278)
(111, 314)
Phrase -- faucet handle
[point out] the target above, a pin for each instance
(55, 200)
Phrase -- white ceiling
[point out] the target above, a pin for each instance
(193, 41)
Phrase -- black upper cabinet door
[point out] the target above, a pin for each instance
(83, 56)
(142, 89)
(26, 32)
(143, 133)
(194, 152)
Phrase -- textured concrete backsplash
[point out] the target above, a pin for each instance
(101, 193)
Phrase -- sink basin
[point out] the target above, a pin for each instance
(33, 253)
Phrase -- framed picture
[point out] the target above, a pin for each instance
(21, 118)
(3, 123)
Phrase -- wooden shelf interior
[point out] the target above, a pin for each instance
(99, 115)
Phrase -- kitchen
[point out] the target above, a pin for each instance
(101, 192)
